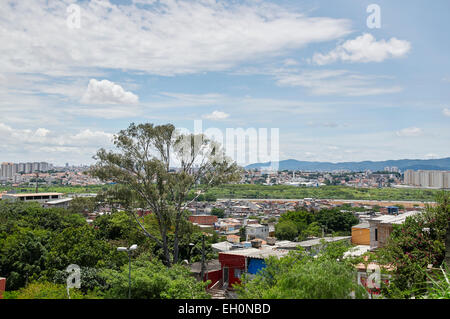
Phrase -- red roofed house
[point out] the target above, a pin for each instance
(203, 219)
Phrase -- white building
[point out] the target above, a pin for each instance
(433, 179)
(257, 231)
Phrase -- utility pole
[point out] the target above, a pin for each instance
(203, 257)
(37, 177)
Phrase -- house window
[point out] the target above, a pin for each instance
(237, 273)
(376, 234)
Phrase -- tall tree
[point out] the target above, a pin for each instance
(142, 163)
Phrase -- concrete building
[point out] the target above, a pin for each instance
(381, 227)
(8, 170)
(433, 179)
(257, 231)
(38, 197)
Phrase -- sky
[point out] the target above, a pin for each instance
(73, 73)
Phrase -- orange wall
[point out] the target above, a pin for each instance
(2, 287)
(360, 236)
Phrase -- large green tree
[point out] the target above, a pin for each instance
(413, 246)
(142, 164)
(152, 280)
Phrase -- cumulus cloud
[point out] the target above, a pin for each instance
(446, 111)
(161, 37)
(29, 144)
(43, 136)
(216, 116)
(364, 48)
(410, 131)
(106, 92)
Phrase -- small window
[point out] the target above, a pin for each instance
(237, 273)
(376, 234)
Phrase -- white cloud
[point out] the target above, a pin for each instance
(290, 62)
(335, 82)
(165, 37)
(216, 116)
(41, 136)
(410, 131)
(42, 132)
(106, 92)
(446, 112)
(364, 48)
(44, 144)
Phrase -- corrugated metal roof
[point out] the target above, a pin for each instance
(397, 219)
(262, 253)
(59, 201)
(362, 225)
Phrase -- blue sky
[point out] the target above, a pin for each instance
(336, 89)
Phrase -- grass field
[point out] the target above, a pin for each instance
(57, 189)
(278, 192)
(324, 192)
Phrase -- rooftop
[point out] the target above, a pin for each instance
(362, 225)
(32, 194)
(397, 219)
(59, 201)
(211, 265)
(261, 253)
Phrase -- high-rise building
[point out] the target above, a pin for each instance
(43, 167)
(28, 168)
(7, 170)
(21, 168)
(435, 179)
(35, 167)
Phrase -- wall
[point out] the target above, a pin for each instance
(255, 265)
(2, 287)
(384, 231)
(214, 276)
(232, 262)
(360, 236)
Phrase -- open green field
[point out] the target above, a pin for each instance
(57, 189)
(277, 192)
(324, 192)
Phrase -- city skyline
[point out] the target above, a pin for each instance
(338, 89)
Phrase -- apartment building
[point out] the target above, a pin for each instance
(433, 179)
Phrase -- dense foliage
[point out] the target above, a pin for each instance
(325, 192)
(302, 224)
(37, 244)
(301, 275)
(153, 280)
(413, 247)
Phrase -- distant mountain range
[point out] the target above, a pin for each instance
(405, 164)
